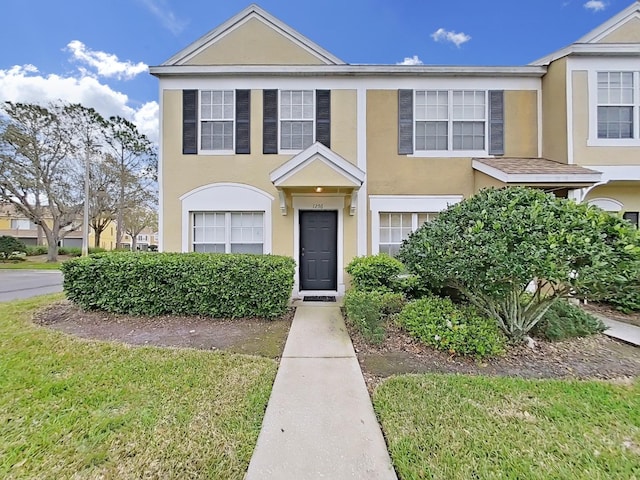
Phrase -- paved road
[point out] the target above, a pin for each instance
(16, 284)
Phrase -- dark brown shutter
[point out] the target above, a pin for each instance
(270, 121)
(323, 117)
(405, 122)
(190, 122)
(496, 122)
(243, 115)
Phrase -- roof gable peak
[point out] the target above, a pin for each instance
(253, 11)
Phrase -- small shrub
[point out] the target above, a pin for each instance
(564, 320)
(93, 250)
(70, 251)
(443, 325)
(37, 250)
(368, 310)
(213, 285)
(10, 247)
(374, 272)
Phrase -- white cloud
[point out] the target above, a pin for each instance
(410, 61)
(595, 5)
(24, 83)
(168, 19)
(106, 64)
(442, 35)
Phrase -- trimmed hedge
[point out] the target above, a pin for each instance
(214, 285)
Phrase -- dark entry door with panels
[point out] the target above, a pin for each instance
(318, 250)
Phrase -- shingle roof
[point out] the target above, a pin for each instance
(533, 166)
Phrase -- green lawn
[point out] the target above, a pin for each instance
(460, 427)
(27, 265)
(78, 409)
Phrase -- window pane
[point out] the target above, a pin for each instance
(296, 135)
(208, 248)
(468, 135)
(255, 248)
(615, 122)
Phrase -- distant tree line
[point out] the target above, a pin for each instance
(44, 153)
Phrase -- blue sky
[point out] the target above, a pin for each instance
(97, 52)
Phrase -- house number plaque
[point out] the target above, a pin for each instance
(318, 206)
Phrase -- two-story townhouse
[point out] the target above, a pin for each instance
(271, 144)
(591, 111)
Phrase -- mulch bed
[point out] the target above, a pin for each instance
(258, 336)
(595, 357)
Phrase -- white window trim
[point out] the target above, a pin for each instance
(282, 151)
(200, 120)
(404, 204)
(450, 153)
(414, 224)
(592, 85)
(226, 197)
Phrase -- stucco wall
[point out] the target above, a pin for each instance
(254, 43)
(554, 112)
(626, 33)
(521, 123)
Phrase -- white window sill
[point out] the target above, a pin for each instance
(216, 152)
(613, 142)
(449, 154)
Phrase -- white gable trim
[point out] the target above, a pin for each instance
(328, 156)
(601, 31)
(251, 12)
(585, 45)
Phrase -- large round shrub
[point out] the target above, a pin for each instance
(494, 245)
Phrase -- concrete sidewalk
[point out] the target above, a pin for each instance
(319, 422)
(621, 331)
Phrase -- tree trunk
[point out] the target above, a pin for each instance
(119, 224)
(52, 245)
(134, 242)
(96, 237)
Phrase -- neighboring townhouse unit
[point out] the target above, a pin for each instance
(15, 224)
(271, 144)
(146, 240)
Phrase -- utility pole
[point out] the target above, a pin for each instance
(85, 220)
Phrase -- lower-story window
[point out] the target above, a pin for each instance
(632, 217)
(228, 232)
(396, 227)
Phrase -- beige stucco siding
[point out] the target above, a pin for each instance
(554, 112)
(629, 32)
(344, 124)
(183, 173)
(626, 193)
(254, 43)
(592, 155)
(391, 174)
(482, 181)
(521, 123)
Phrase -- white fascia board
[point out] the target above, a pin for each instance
(610, 25)
(617, 172)
(535, 177)
(253, 11)
(591, 49)
(373, 70)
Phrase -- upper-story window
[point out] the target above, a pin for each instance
(616, 104)
(296, 119)
(22, 224)
(450, 120)
(216, 120)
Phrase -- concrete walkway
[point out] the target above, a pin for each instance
(319, 423)
(621, 331)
